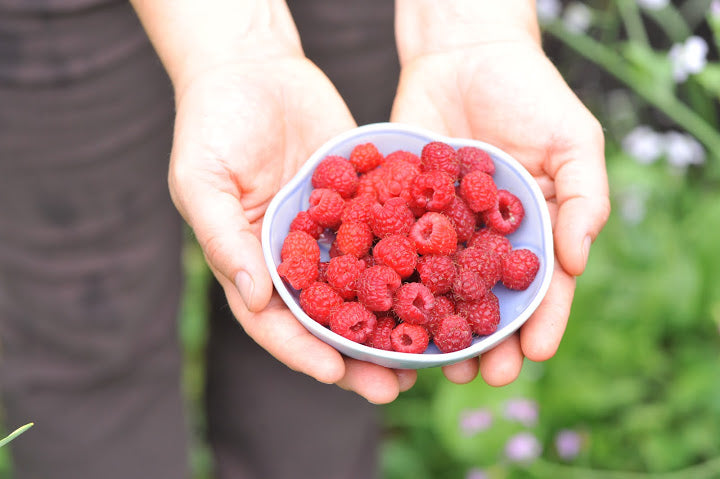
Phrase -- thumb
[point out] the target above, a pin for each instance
(228, 240)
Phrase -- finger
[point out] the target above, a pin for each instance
(581, 188)
(375, 383)
(406, 378)
(277, 331)
(540, 336)
(229, 242)
(462, 372)
(502, 364)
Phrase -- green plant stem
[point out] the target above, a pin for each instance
(15, 433)
(633, 21)
(671, 22)
(616, 65)
(706, 470)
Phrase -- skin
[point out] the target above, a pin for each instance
(251, 108)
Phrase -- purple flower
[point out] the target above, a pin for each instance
(476, 473)
(523, 447)
(715, 8)
(522, 410)
(473, 421)
(568, 444)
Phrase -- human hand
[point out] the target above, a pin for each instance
(507, 93)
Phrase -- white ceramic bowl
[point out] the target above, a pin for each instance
(535, 233)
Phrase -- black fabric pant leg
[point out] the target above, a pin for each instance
(90, 272)
(264, 420)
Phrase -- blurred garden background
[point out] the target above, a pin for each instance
(634, 390)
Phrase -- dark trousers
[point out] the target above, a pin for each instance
(90, 272)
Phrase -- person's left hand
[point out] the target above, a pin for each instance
(507, 93)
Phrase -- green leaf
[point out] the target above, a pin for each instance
(15, 433)
(709, 78)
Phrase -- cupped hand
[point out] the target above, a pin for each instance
(507, 93)
(242, 131)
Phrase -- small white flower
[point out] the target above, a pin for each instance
(688, 58)
(577, 17)
(683, 150)
(653, 4)
(548, 10)
(644, 144)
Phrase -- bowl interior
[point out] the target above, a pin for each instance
(534, 233)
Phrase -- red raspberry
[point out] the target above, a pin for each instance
(335, 173)
(478, 190)
(394, 217)
(380, 337)
(475, 159)
(437, 273)
(486, 263)
(303, 222)
(433, 233)
(506, 214)
(519, 269)
(395, 178)
(401, 155)
(375, 287)
(367, 183)
(490, 240)
(452, 334)
(358, 209)
(342, 274)
(334, 250)
(462, 218)
(443, 307)
(432, 190)
(353, 321)
(482, 315)
(398, 252)
(299, 243)
(365, 157)
(370, 261)
(355, 239)
(322, 271)
(326, 207)
(413, 302)
(469, 286)
(299, 271)
(409, 338)
(319, 300)
(440, 156)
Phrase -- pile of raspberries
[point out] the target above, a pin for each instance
(416, 245)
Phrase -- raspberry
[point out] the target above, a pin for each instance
(375, 287)
(479, 191)
(490, 240)
(358, 209)
(486, 263)
(413, 302)
(303, 222)
(299, 243)
(322, 271)
(432, 190)
(437, 273)
(469, 286)
(440, 156)
(483, 315)
(474, 159)
(335, 173)
(443, 307)
(342, 274)
(354, 238)
(319, 300)
(353, 321)
(367, 183)
(326, 207)
(380, 337)
(506, 214)
(519, 269)
(452, 334)
(395, 177)
(398, 252)
(401, 155)
(433, 233)
(299, 271)
(365, 157)
(334, 250)
(394, 217)
(461, 217)
(409, 338)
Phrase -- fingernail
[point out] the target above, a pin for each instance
(586, 248)
(245, 286)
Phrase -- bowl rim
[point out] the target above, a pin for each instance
(393, 357)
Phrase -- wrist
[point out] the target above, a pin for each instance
(426, 27)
